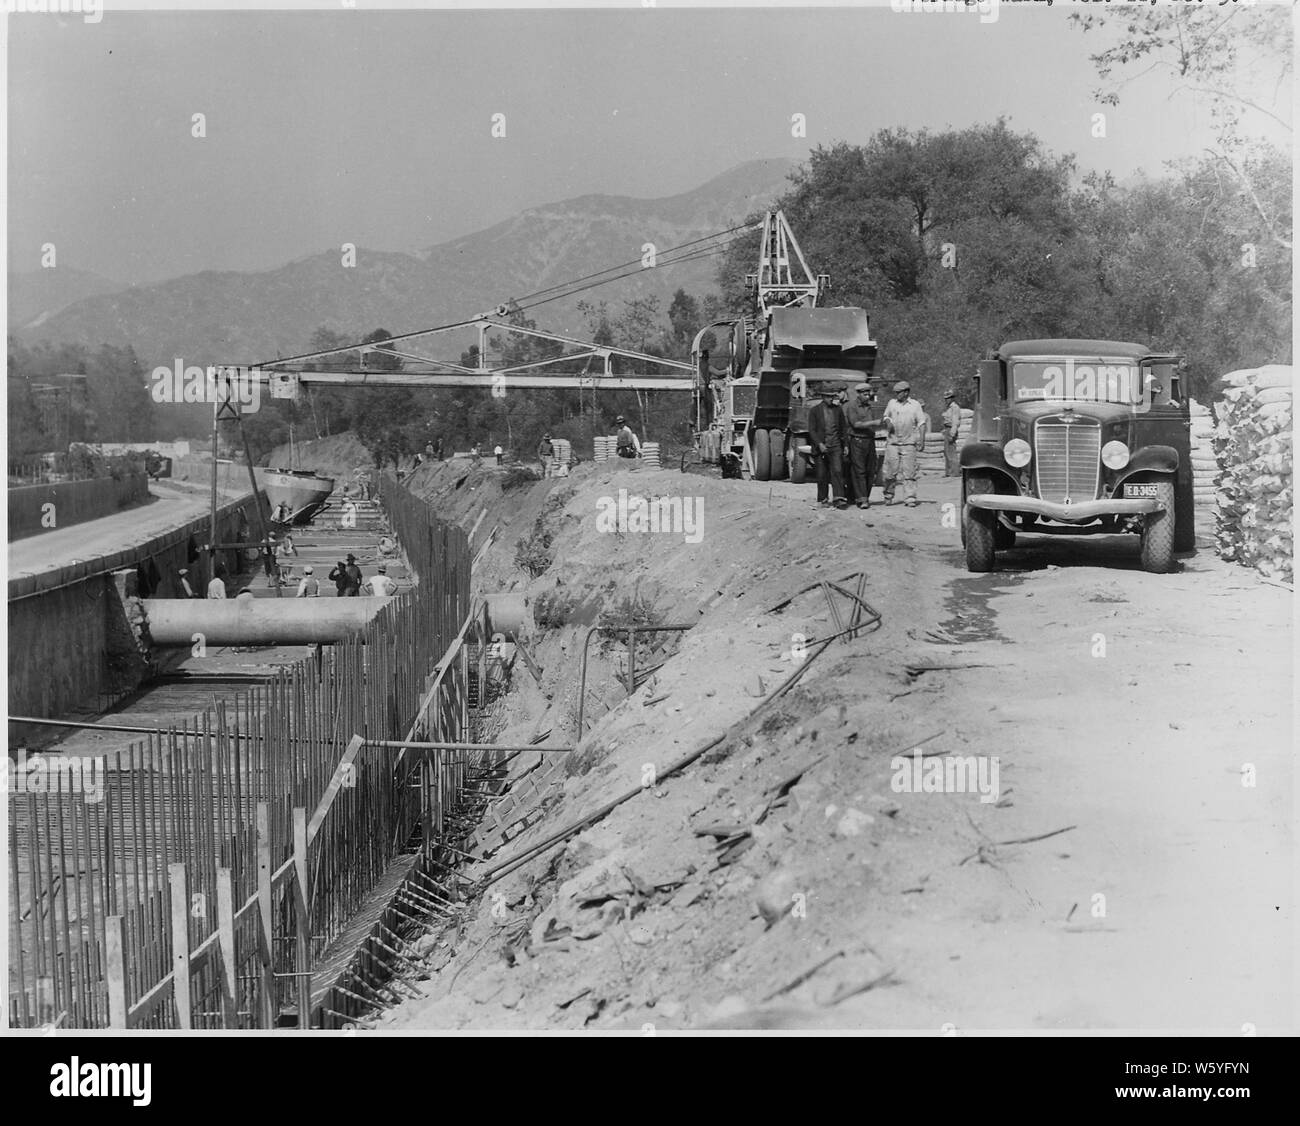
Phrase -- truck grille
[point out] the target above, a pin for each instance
(1067, 457)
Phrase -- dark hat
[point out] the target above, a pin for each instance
(620, 419)
(950, 394)
(862, 387)
(352, 558)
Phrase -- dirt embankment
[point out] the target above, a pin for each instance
(1094, 832)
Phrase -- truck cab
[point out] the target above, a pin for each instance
(1078, 437)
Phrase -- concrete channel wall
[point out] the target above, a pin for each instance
(74, 502)
(69, 640)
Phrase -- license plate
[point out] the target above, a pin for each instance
(1133, 491)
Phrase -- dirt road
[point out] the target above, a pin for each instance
(1142, 727)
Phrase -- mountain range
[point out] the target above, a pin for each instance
(248, 317)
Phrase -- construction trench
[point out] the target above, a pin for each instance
(688, 816)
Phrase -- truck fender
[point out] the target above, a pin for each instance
(985, 455)
(1149, 459)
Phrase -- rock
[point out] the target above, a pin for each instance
(668, 1008)
(640, 935)
(485, 988)
(511, 995)
(852, 823)
(775, 893)
(425, 944)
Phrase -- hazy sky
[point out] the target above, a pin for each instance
(346, 125)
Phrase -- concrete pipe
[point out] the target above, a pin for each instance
(506, 613)
(258, 621)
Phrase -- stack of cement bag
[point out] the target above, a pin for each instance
(1252, 442)
(1205, 466)
(931, 459)
(604, 447)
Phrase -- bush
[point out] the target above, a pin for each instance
(517, 476)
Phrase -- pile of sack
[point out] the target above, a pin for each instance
(1252, 444)
(1205, 466)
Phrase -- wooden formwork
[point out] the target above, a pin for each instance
(218, 860)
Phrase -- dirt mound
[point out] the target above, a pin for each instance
(801, 869)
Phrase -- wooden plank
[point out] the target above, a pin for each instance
(302, 902)
(180, 898)
(346, 768)
(229, 961)
(115, 969)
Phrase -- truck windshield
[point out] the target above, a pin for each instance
(1089, 380)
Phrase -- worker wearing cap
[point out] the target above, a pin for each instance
(353, 572)
(862, 419)
(308, 585)
(951, 425)
(827, 431)
(381, 584)
(545, 451)
(627, 444)
(905, 425)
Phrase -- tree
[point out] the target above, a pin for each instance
(1222, 57)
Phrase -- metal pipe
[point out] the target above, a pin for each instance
(298, 621)
(675, 627)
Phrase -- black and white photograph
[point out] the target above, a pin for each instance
(651, 519)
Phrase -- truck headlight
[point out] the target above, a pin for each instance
(1017, 453)
(1114, 455)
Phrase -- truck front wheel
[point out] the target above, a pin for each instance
(1158, 532)
(979, 526)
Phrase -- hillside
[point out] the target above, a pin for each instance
(785, 878)
(249, 317)
(37, 295)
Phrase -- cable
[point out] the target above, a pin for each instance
(518, 303)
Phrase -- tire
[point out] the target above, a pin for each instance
(776, 451)
(979, 527)
(762, 456)
(1158, 533)
(796, 461)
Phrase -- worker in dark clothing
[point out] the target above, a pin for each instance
(827, 431)
(339, 577)
(862, 419)
(354, 578)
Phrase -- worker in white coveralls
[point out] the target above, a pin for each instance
(381, 585)
(905, 425)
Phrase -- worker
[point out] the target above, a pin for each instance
(545, 451)
(187, 591)
(826, 434)
(905, 425)
(499, 452)
(309, 585)
(951, 425)
(339, 577)
(862, 421)
(217, 587)
(627, 444)
(381, 585)
(354, 577)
